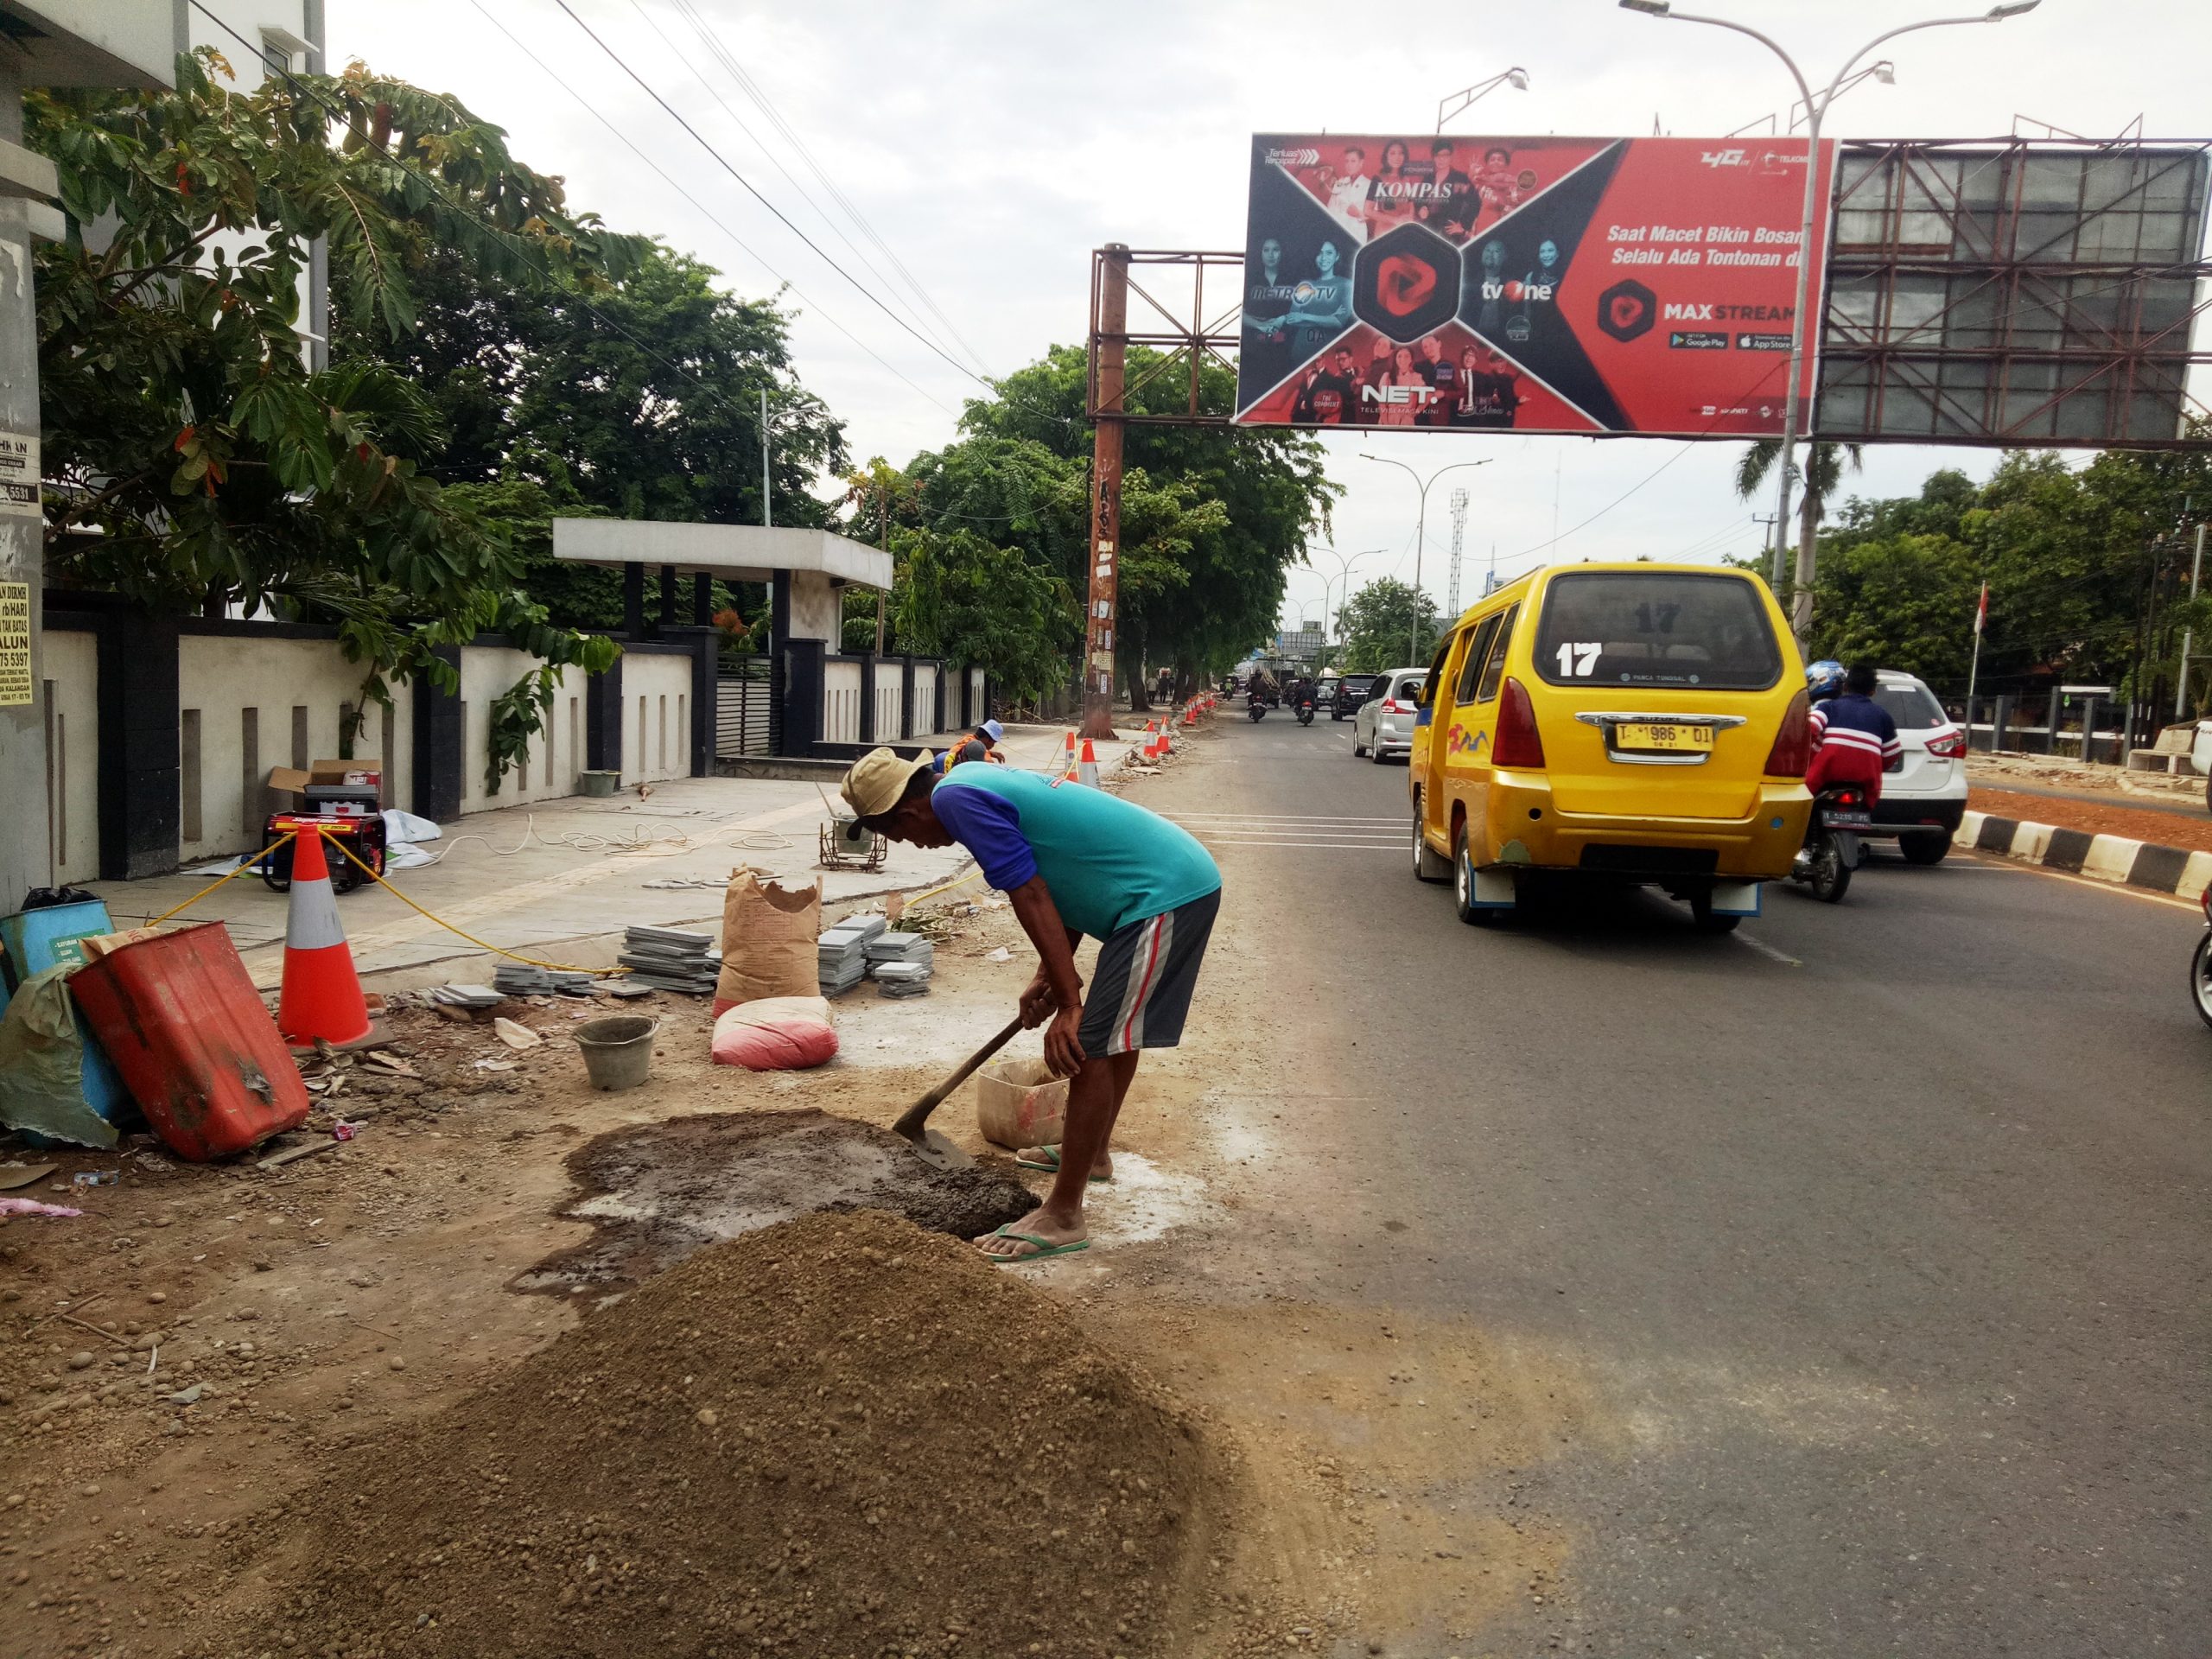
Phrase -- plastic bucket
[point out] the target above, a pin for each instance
(618, 1049)
(598, 783)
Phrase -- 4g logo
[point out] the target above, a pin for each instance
(1726, 158)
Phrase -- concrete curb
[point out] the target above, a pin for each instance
(2101, 858)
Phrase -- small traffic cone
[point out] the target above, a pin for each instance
(1068, 748)
(1086, 770)
(321, 998)
(1166, 737)
(1190, 714)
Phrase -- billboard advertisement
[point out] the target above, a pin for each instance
(1586, 285)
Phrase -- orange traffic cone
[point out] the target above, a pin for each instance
(321, 996)
(1087, 768)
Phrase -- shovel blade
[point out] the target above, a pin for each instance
(934, 1149)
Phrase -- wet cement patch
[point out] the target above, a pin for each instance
(655, 1192)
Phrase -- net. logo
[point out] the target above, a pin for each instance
(1627, 309)
(1406, 284)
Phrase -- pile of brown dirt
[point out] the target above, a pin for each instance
(840, 1435)
(655, 1193)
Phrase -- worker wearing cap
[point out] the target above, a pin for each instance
(981, 744)
(1072, 861)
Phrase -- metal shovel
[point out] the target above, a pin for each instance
(930, 1145)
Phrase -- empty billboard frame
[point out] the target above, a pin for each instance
(2042, 294)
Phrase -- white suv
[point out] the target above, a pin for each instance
(1924, 792)
(1384, 725)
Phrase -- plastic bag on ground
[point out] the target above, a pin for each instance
(775, 1033)
(42, 1064)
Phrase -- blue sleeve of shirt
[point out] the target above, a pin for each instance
(988, 826)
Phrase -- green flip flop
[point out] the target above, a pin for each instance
(1048, 1159)
(1044, 1248)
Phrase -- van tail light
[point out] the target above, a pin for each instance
(1518, 743)
(1793, 745)
(1950, 745)
(1391, 706)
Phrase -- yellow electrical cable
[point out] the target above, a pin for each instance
(957, 881)
(563, 966)
(252, 863)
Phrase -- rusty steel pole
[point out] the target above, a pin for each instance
(1110, 332)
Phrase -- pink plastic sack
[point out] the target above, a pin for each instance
(775, 1033)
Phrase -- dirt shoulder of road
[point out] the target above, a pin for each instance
(2095, 817)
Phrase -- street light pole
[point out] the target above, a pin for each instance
(1517, 78)
(1344, 563)
(1421, 535)
(1816, 111)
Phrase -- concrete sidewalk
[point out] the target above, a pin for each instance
(561, 880)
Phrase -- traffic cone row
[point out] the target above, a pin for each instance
(321, 996)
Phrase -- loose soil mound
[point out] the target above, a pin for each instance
(657, 1192)
(838, 1436)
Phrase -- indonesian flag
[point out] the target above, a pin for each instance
(1981, 611)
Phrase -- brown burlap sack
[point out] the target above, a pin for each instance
(768, 940)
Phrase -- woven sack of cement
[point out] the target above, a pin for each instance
(1021, 1103)
(768, 934)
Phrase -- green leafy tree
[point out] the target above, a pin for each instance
(192, 459)
(1380, 622)
(637, 397)
(1821, 464)
(968, 599)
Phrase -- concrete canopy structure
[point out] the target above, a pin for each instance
(731, 552)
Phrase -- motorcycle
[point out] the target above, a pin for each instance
(1305, 711)
(2200, 967)
(1831, 848)
(1254, 708)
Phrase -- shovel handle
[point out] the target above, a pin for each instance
(910, 1123)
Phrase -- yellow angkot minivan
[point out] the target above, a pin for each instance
(1638, 723)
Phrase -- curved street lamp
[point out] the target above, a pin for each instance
(1517, 78)
(1344, 563)
(1421, 539)
(1817, 109)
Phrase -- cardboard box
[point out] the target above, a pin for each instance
(292, 781)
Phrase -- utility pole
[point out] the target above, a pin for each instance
(1112, 337)
(2187, 635)
(1458, 541)
(883, 541)
(765, 485)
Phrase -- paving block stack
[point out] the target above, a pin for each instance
(520, 979)
(468, 996)
(901, 963)
(672, 959)
(843, 953)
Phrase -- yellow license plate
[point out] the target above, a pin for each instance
(1697, 740)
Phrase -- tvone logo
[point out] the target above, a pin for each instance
(1406, 284)
(1627, 309)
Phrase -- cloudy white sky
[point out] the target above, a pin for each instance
(993, 143)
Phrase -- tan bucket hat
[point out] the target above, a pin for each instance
(877, 779)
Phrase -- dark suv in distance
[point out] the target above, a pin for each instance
(1352, 690)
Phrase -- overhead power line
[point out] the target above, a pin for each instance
(704, 211)
(753, 90)
(866, 292)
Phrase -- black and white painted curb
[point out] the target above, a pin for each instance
(2101, 858)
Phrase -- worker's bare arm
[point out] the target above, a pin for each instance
(1056, 975)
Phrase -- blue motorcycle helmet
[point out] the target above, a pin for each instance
(1824, 678)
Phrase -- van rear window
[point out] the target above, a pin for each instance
(1624, 628)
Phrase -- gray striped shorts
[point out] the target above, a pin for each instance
(1142, 990)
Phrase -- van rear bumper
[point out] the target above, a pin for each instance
(1525, 830)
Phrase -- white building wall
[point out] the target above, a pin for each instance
(656, 717)
(925, 700)
(841, 703)
(70, 665)
(817, 609)
(247, 704)
(549, 771)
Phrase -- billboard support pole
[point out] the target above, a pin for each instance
(1111, 336)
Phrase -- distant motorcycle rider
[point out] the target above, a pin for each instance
(1853, 737)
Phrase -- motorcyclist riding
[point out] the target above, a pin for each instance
(1853, 737)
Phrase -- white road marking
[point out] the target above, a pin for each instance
(1766, 950)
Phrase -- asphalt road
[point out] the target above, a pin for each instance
(1881, 1227)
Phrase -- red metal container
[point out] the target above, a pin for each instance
(197, 1049)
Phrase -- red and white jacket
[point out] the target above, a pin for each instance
(1853, 737)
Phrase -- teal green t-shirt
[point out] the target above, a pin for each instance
(1108, 862)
